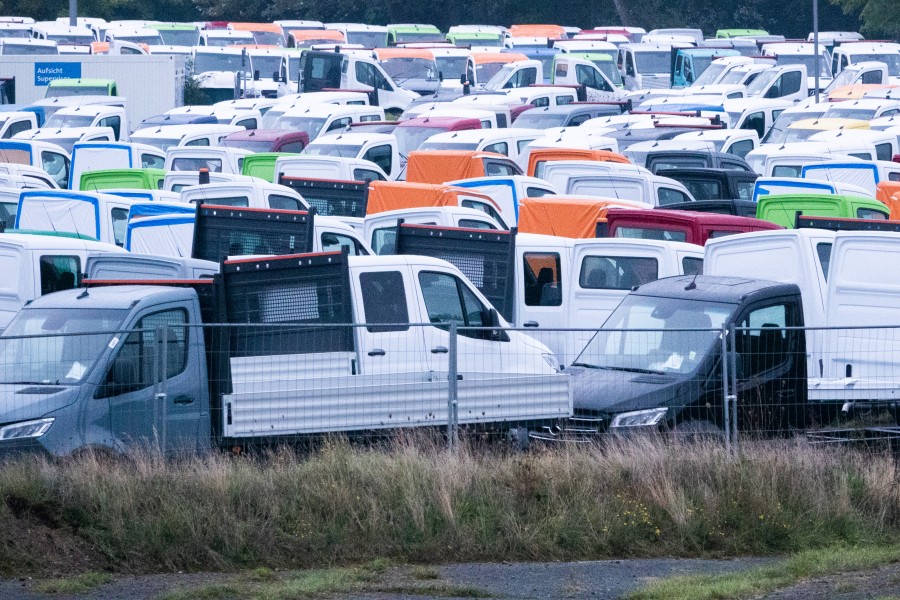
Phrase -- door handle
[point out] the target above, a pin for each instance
(531, 324)
(439, 350)
(376, 352)
(182, 400)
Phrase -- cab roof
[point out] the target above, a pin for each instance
(484, 58)
(567, 216)
(708, 288)
(396, 195)
(438, 166)
(555, 154)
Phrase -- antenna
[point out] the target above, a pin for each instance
(693, 284)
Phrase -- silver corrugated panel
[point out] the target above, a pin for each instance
(263, 374)
(364, 402)
(654, 83)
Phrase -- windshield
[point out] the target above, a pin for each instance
(734, 77)
(663, 346)
(8, 213)
(808, 60)
(311, 125)
(448, 146)
(267, 65)
(709, 76)
(531, 119)
(367, 39)
(58, 120)
(344, 150)
(609, 69)
(486, 71)
(892, 61)
(268, 38)
(161, 143)
(23, 49)
(413, 37)
(863, 114)
(402, 69)
(77, 90)
(66, 143)
(180, 37)
(496, 82)
(451, 67)
(796, 134)
(207, 61)
(410, 138)
(71, 39)
(58, 356)
(653, 62)
(778, 132)
(253, 146)
(150, 40)
(762, 81)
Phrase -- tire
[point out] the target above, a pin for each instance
(698, 431)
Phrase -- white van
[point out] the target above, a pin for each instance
(95, 156)
(167, 136)
(379, 148)
(216, 160)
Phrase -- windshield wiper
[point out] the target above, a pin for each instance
(31, 382)
(586, 365)
(633, 370)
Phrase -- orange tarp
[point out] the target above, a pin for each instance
(553, 32)
(566, 216)
(271, 27)
(889, 193)
(440, 166)
(389, 53)
(396, 195)
(855, 91)
(484, 58)
(303, 35)
(553, 154)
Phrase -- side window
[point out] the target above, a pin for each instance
(384, 240)
(578, 120)
(669, 196)
(151, 161)
(369, 118)
(230, 201)
(629, 65)
(499, 148)
(365, 74)
(534, 192)
(133, 368)
(823, 251)
(475, 224)
(762, 341)
(562, 69)
(741, 148)
(790, 83)
(522, 144)
(871, 78)
(493, 168)
(563, 100)
(57, 166)
(868, 213)
(335, 242)
(59, 273)
(381, 156)
(483, 207)
(449, 300)
(198, 142)
(279, 202)
(745, 190)
(692, 266)
(367, 175)
(340, 124)
(16, 128)
(883, 152)
(119, 224)
(757, 122)
(541, 102)
(292, 147)
(543, 283)
(617, 272)
(115, 122)
(384, 300)
(247, 123)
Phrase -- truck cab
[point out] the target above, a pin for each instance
(12, 123)
(168, 136)
(677, 226)
(94, 115)
(50, 158)
(783, 209)
(92, 156)
(215, 159)
(379, 148)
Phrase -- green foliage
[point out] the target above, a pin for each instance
(879, 17)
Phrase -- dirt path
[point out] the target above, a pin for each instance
(519, 581)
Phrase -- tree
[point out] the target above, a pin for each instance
(879, 17)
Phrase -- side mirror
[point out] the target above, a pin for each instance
(462, 79)
(440, 76)
(256, 75)
(276, 77)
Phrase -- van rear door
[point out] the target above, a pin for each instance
(320, 70)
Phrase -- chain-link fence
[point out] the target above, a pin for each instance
(183, 387)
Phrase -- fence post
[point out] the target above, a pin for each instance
(726, 388)
(162, 395)
(452, 396)
(732, 394)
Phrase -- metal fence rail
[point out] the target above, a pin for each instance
(184, 388)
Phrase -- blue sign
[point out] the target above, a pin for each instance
(44, 73)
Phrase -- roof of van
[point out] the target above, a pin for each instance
(827, 124)
(110, 297)
(555, 154)
(396, 195)
(255, 27)
(708, 288)
(389, 53)
(304, 35)
(483, 58)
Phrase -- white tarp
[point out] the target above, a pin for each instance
(72, 215)
(97, 158)
(863, 174)
(166, 236)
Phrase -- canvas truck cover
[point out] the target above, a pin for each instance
(331, 197)
(440, 166)
(863, 173)
(223, 231)
(485, 257)
(889, 193)
(396, 195)
(541, 155)
(17, 153)
(565, 216)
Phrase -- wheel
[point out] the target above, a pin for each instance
(696, 431)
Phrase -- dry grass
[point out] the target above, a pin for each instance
(344, 505)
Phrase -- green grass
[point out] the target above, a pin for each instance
(753, 582)
(343, 505)
(77, 584)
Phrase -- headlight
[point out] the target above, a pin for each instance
(551, 360)
(639, 418)
(25, 429)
